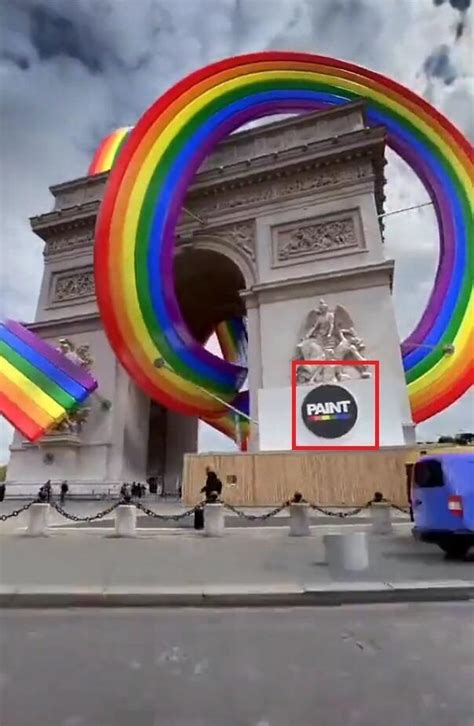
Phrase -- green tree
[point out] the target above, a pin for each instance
(3, 472)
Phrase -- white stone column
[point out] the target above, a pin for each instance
(38, 520)
(254, 365)
(381, 517)
(346, 553)
(126, 520)
(299, 520)
(214, 524)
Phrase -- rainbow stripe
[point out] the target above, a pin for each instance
(38, 385)
(330, 417)
(233, 340)
(108, 151)
(146, 189)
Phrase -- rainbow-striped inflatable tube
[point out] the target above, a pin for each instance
(147, 187)
(108, 151)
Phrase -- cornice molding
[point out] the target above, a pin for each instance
(326, 151)
(71, 323)
(355, 278)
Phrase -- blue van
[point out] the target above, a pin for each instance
(442, 502)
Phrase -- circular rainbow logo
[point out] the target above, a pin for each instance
(148, 183)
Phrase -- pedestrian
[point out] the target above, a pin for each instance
(42, 493)
(125, 492)
(213, 486)
(64, 490)
(47, 490)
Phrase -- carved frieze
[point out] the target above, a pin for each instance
(260, 191)
(240, 235)
(73, 285)
(69, 240)
(316, 238)
(328, 236)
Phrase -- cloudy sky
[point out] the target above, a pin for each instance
(72, 70)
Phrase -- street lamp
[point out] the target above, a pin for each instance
(162, 363)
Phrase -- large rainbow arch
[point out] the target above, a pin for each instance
(146, 189)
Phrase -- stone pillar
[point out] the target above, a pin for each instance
(126, 520)
(254, 365)
(381, 517)
(38, 520)
(214, 524)
(299, 520)
(181, 438)
(346, 553)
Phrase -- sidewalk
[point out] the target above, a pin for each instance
(245, 567)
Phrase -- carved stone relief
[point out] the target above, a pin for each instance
(69, 240)
(73, 285)
(74, 422)
(271, 189)
(328, 335)
(240, 235)
(315, 238)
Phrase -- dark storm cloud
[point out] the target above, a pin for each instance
(461, 5)
(53, 34)
(20, 61)
(438, 65)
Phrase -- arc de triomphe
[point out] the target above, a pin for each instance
(279, 216)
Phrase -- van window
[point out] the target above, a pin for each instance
(429, 474)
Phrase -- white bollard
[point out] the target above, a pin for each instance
(38, 521)
(214, 524)
(126, 520)
(381, 517)
(299, 520)
(347, 552)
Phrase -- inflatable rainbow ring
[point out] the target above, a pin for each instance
(148, 183)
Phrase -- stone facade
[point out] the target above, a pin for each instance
(295, 207)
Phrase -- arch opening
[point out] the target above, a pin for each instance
(208, 286)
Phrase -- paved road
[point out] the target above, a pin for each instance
(242, 557)
(360, 666)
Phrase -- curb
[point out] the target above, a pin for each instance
(226, 597)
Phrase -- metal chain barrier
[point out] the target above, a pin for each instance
(403, 510)
(189, 512)
(92, 518)
(255, 517)
(16, 512)
(341, 515)
(172, 517)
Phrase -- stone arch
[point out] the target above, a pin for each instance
(209, 282)
(242, 256)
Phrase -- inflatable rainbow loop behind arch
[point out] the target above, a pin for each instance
(153, 165)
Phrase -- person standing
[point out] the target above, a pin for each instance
(213, 486)
(64, 490)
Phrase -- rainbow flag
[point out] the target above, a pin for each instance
(108, 151)
(233, 340)
(38, 385)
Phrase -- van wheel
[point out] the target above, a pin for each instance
(455, 550)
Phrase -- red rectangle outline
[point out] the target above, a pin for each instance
(376, 365)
